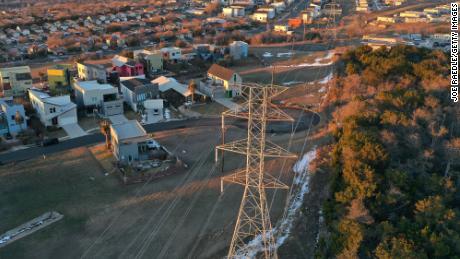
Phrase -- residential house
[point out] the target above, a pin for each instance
(15, 80)
(9, 111)
(172, 54)
(279, 6)
(260, 16)
(137, 90)
(151, 60)
(176, 93)
(233, 11)
(154, 111)
(88, 71)
(387, 19)
(129, 142)
(53, 111)
(307, 17)
(411, 14)
(332, 9)
(229, 79)
(270, 11)
(239, 50)
(59, 77)
(93, 95)
(281, 28)
(126, 67)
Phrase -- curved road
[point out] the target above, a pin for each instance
(29, 153)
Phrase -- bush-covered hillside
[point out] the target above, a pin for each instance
(395, 159)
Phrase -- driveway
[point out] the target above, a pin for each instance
(117, 119)
(74, 130)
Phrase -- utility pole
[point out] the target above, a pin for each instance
(253, 215)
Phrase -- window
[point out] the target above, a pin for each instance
(52, 110)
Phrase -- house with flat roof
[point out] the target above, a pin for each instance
(95, 96)
(151, 60)
(88, 71)
(129, 142)
(15, 81)
(59, 77)
(239, 50)
(172, 54)
(12, 117)
(136, 90)
(127, 67)
(53, 110)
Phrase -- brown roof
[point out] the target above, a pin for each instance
(221, 72)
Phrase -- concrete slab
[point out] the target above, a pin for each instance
(117, 119)
(74, 130)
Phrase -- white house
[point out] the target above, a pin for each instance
(260, 16)
(171, 53)
(94, 95)
(228, 79)
(233, 11)
(53, 111)
(239, 49)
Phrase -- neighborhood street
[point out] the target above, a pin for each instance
(25, 154)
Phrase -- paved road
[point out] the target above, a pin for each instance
(29, 153)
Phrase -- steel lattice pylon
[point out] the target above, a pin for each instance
(253, 216)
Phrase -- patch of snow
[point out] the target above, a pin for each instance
(319, 62)
(322, 90)
(300, 187)
(286, 54)
(292, 82)
(326, 79)
(267, 55)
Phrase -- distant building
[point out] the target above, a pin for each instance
(129, 142)
(281, 28)
(233, 11)
(227, 78)
(136, 91)
(88, 71)
(53, 111)
(151, 60)
(172, 54)
(126, 67)
(411, 14)
(15, 81)
(239, 49)
(387, 19)
(92, 95)
(59, 77)
(8, 113)
(260, 16)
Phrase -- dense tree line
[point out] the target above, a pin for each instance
(395, 185)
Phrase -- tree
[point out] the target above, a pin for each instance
(19, 119)
(105, 129)
(192, 86)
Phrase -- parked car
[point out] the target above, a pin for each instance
(49, 142)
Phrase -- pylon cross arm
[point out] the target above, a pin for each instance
(271, 149)
(269, 182)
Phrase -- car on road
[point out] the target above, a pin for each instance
(49, 142)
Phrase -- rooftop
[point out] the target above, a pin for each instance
(133, 83)
(128, 130)
(93, 85)
(221, 72)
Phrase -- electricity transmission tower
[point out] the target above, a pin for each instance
(253, 215)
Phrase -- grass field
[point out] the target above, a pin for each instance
(178, 216)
